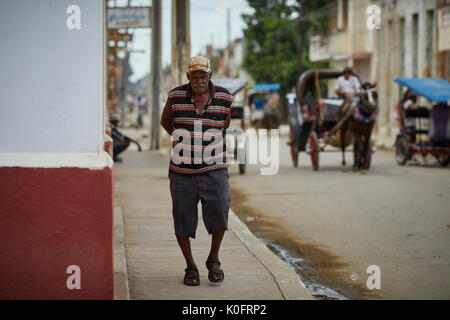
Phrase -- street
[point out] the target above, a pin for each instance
(340, 223)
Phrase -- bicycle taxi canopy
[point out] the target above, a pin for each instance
(433, 89)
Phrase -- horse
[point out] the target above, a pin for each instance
(360, 120)
(358, 117)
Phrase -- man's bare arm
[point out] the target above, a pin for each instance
(167, 117)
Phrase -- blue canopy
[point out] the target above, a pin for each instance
(266, 87)
(432, 89)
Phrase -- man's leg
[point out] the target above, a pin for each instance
(215, 197)
(214, 252)
(184, 211)
(185, 246)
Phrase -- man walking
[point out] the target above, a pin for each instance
(197, 114)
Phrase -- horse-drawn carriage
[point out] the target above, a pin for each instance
(316, 123)
(424, 131)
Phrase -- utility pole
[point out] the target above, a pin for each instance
(155, 75)
(301, 29)
(125, 75)
(228, 27)
(228, 49)
(181, 46)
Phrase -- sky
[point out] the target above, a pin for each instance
(208, 25)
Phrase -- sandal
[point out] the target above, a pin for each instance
(214, 271)
(191, 276)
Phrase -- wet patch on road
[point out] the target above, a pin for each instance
(322, 272)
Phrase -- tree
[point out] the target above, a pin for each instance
(277, 47)
(273, 39)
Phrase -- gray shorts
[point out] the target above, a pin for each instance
(212, 189)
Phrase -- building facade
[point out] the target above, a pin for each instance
(347, 42)
(408, 46)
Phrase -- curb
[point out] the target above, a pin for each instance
(289, 283)
(121, 287)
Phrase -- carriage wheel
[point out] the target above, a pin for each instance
(314, 150)
(402, 152)
(443, 160)
(294, 151)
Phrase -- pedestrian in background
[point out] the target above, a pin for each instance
(142, 109)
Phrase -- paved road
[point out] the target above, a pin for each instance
(397, 218)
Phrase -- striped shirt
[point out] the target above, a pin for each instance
(199, 144)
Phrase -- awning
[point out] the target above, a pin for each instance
(266, 87)
(354, 55)
(432, 89)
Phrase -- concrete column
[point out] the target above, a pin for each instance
(351, 30)
(181, 47)
(155, 75)
(56, 181)
(408, 40)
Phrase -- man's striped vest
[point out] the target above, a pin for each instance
(204, 133)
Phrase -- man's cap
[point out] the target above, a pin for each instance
(348, 70)
(199, 63)
(114, 117)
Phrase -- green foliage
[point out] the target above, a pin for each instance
(273, 38)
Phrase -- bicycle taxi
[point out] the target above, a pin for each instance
(263, 104)
(424, 131)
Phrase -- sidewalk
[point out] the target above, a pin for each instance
(148, 262)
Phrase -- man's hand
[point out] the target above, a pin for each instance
(341, 93)
(350, 95)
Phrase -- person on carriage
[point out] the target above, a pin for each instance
(408, 102)
(347, 87)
